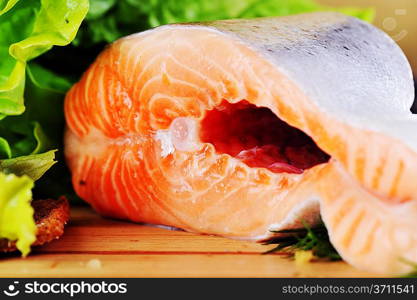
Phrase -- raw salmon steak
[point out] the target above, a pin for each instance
(240, 128)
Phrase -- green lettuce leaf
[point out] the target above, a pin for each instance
(33, 166)
(5, 150)
(290, 7)
(16, 213)
(22, 137)
(6, 5)
(31, 104)
(108, 20)
(30, 28)
(38, 129)
(46, 80)
(98, 8)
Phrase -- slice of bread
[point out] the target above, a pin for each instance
(50, 217)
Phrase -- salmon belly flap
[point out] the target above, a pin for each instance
(241, 128)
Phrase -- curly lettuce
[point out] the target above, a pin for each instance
(30, 28)
(16, 213)
(31, 117)
(108, 20)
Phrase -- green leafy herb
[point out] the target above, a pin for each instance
(413, 273)
(314, 239)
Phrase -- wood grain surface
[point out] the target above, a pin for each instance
(96, 247)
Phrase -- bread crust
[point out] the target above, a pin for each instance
(50, 217)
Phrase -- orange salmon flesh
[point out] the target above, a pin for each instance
(242, 128)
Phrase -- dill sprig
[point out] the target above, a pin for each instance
(413, 273)
(317, 241)
(314, 239)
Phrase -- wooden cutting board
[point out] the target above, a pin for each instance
(96, 247)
